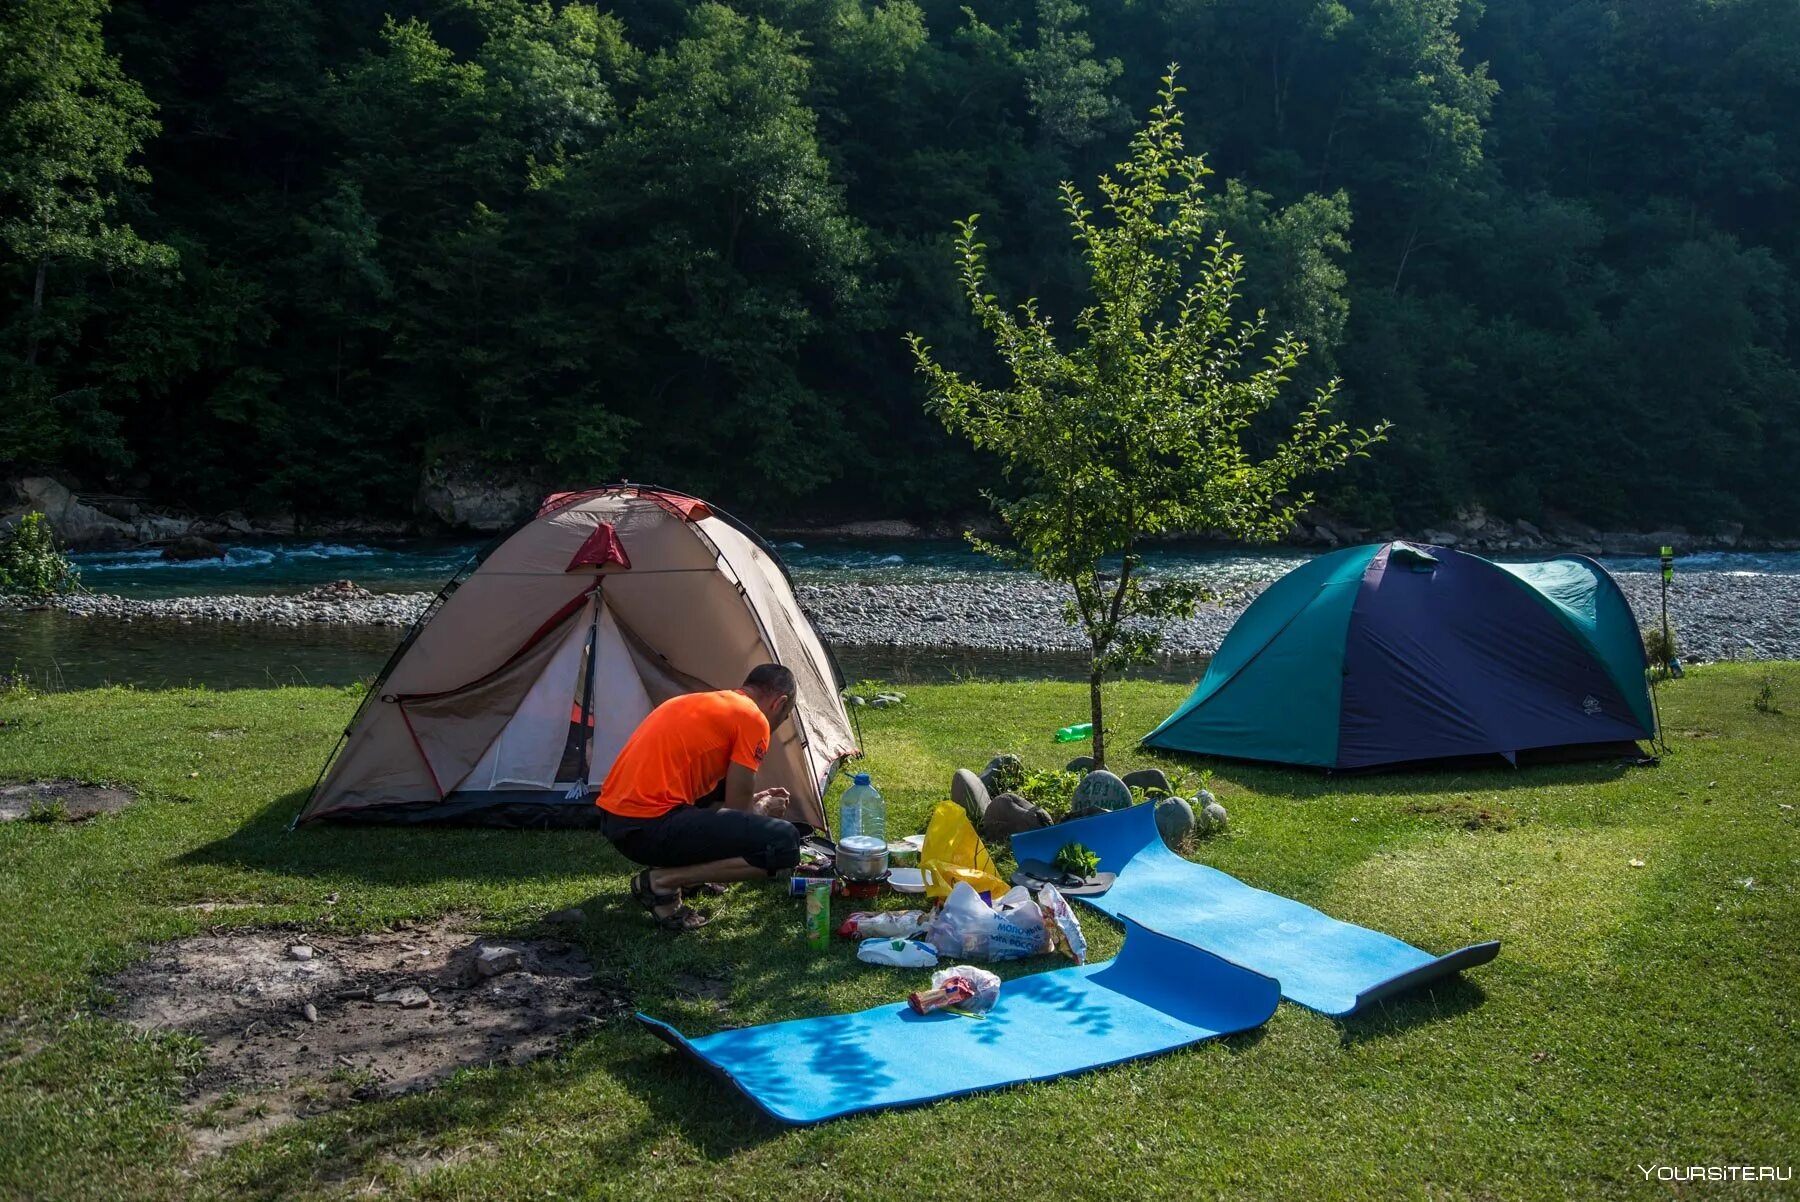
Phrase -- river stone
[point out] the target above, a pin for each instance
(1149, 778)
(1003, 774)
(1102, 789)
(967, 791)
(1008, 814)
(193, 547)
(1081, 763)
(1216, 818)
(1174, 819)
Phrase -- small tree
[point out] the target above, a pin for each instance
(30, 564)
(1138, 429)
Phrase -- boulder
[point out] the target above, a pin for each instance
(967, 791)
(191, 547)
(75, 524)
(157, 527)
(1209, 816)
(1081, 763)
(1008, 814)
(1102, 790)
(1174, 820)
(1147, 779)
(1003, 774)
(475, 501)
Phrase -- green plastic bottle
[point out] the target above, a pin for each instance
(1070, 734)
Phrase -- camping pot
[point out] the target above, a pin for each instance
(862, 858)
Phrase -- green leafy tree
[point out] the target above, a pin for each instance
(71, 125)
(30, 563)
(1139, 428)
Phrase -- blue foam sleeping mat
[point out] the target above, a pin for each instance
(1333, 967)
(1156, 995)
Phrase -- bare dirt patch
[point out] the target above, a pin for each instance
(61, 800)
(390, 1012)
(1469, 815)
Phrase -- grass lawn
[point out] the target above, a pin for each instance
(1636, 1015)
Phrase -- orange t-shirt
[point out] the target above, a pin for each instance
(681, 752)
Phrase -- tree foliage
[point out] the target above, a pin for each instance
(1141, 427)
(291, 254)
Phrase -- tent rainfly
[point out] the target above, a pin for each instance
(1390, 653)
(508, 700)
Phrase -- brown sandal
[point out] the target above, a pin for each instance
(681, 918)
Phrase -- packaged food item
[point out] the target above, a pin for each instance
(818, 913)
(966, 988)
(897, 953)
(885, 924)
(1061, 925)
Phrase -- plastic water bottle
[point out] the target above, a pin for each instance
(1068, 734)
(861, 810)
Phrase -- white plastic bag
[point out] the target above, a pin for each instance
(985, 984)
(1063, 927)
(1018, 927)
(964, 926)
(897, 953)
(885, 924)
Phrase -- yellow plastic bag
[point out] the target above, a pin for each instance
(954, 852)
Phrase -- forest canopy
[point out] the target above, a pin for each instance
(286, 254)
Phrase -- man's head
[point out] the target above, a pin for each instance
(771, 686)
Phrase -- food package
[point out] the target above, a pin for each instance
(1061, 925)
(897, 953)
(885, 924)
(984, 986)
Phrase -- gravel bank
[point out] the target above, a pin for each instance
(1716, 615)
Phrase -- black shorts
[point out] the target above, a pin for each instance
(693, 835)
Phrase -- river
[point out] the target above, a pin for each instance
(55, 650)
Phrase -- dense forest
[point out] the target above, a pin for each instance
(285, 254)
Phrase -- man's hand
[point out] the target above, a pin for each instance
(770, 803)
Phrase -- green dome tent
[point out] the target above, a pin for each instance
(1388, 653)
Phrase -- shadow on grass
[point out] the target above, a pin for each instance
(1427, 1004)
(401, 856)
(1305, 784)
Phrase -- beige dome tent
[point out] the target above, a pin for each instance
(507, 702)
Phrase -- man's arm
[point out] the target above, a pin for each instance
(741, 793)
(740, 788)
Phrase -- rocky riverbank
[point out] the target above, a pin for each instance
(1716, 615)
(330, 605)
